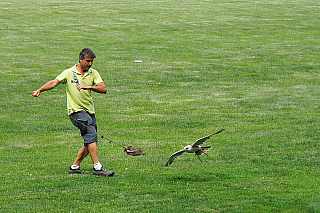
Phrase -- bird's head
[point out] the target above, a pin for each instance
(187, 147)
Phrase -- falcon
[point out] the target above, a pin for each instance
(194, 148)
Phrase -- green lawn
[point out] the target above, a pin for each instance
(251, 67)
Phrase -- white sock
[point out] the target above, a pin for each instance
(75, 167)
(97, 166)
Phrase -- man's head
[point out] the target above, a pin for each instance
(86, 57)
(88, 52)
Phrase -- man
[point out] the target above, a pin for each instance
(80, 80)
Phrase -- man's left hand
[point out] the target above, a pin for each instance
(83, 86)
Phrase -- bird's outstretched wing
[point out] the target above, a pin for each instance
(174, 155)
(202, 140)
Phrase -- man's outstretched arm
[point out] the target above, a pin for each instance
(49, 85)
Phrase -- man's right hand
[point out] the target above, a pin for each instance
(36, 93)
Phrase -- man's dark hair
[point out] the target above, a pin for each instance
(88, 52)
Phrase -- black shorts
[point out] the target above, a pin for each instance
(87, 124)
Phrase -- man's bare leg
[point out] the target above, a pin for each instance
(75, 168)
(93, 150)
(98, 168)
(83, 152)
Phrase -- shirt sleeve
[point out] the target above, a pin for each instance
(62, 78)
(97, 78)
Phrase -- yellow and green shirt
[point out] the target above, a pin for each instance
(79, 100)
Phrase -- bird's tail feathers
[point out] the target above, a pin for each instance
(203, 150)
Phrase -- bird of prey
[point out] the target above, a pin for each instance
(130, 150)
(193, 148)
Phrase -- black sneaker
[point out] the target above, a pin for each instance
(103, 172)
(77, 171)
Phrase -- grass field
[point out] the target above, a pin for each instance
(251, 67)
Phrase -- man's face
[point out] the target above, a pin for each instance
(86, 63)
